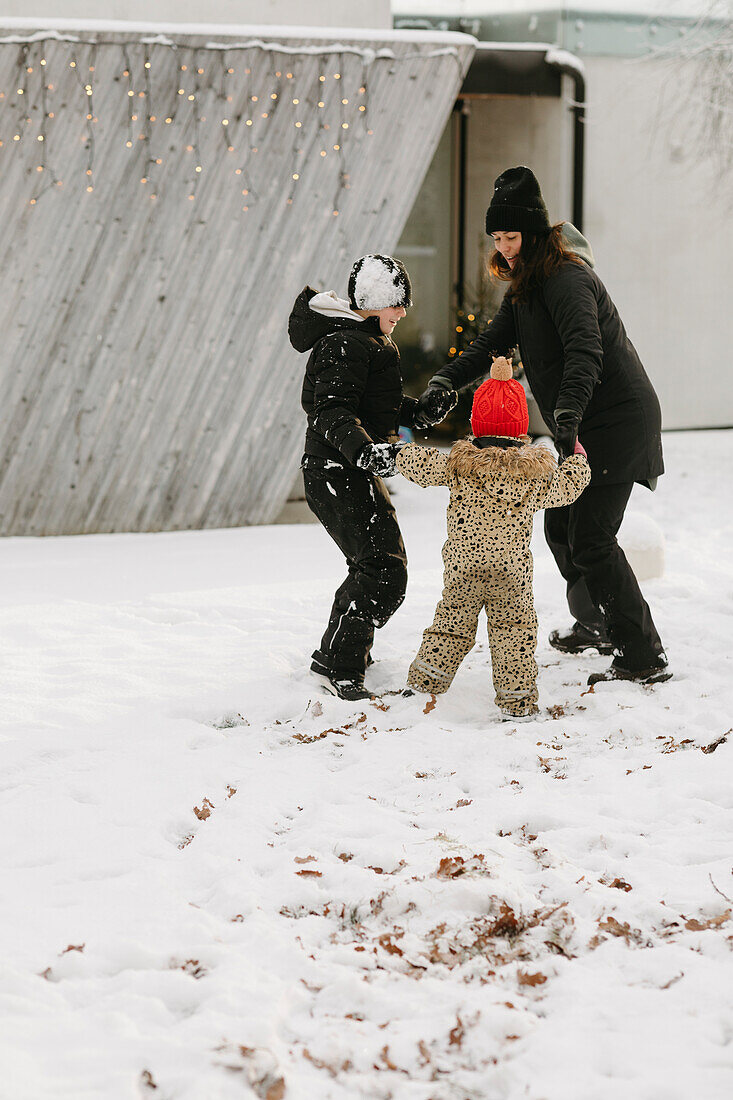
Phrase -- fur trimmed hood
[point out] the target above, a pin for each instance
(518, 467)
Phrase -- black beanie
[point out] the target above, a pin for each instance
(517, 204)
(377, 282)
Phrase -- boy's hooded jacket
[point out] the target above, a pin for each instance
(495, 492)
(352, 391)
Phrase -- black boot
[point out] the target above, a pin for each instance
(653, 674)
(349, 686)
(580, 638)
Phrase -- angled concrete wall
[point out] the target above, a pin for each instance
(163, 200)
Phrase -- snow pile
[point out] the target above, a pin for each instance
(642, 540)
(220, 883)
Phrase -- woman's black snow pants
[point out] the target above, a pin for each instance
(356, 511)
(603, 593)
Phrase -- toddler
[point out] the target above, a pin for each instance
(498, 480)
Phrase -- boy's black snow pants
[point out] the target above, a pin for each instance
(356, 511)
(602, 591)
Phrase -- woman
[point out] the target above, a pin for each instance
(588, 382)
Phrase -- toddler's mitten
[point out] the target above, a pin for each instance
(379, 458)
(434, 405)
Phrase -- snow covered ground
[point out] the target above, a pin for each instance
(218, 882)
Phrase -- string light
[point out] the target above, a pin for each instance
(199, 93)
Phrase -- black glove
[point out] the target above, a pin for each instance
(379, 458)
(433, 406)
(566, 434)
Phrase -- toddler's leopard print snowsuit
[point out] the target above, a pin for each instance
(494, 492)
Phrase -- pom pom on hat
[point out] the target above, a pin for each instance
(500, 404)
(378, 282)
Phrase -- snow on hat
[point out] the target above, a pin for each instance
(500, 404)
(378, 282)
(517, 204)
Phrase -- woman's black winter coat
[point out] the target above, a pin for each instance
(352, 391)
(578, 358)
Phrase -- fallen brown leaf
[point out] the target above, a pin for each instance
(619, 884)
(455, 1035)
(455, 866)
(205, 811)
(524, 978)
(695, 925)
(715, 744)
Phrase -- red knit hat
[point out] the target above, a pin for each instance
(500, 404)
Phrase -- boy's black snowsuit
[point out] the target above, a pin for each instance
(352, 395)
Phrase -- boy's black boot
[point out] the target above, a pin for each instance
(653, 674)
(580, 638)
(346, 684)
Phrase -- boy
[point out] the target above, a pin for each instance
(352, 395)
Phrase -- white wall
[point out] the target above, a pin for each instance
(313, 13)
(661, 223)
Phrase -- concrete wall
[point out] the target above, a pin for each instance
(316, 13)
(660, 218)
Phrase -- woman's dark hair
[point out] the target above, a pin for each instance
(540, 256)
